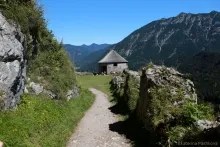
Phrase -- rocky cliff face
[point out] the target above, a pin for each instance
(12, 63)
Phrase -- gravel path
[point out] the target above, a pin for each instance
(93, 129)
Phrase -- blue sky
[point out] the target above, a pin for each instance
(80, 22)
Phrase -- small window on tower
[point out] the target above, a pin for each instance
(115, 64)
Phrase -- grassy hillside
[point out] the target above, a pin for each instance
(48, 63)
(40, 121)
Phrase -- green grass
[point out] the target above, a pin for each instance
(39, 121)
(101, 83)
(98, 82)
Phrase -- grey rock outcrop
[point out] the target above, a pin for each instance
(12, 63)
(49, 93)
(134, 74)
(74, 93)
(35, 88)
(206, 124)
(158, 77)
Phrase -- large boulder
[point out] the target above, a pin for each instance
(12, 63)
(162, 92)
(36, 89)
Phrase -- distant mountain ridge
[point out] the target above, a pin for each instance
(77, 53)
(169, 41)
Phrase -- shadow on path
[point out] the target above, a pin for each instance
(133, 131)
(119, 108)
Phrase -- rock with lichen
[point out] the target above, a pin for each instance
(162, 93)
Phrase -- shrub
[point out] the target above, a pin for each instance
(132, 93)
(161, 110)
(179, 133)
(54, 71)
(161, 104)
(193, 112)
(117, 92)
(127, 94)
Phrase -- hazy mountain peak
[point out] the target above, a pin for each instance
(213, 11)
(182, 14)
(77, 53)
(84, 45)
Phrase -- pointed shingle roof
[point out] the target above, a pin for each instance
(113, 57)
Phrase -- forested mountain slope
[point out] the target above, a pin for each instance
(170, 40)
(204, 69)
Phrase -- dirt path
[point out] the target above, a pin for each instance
(93, 129)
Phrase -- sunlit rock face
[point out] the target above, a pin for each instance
(12, 63)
